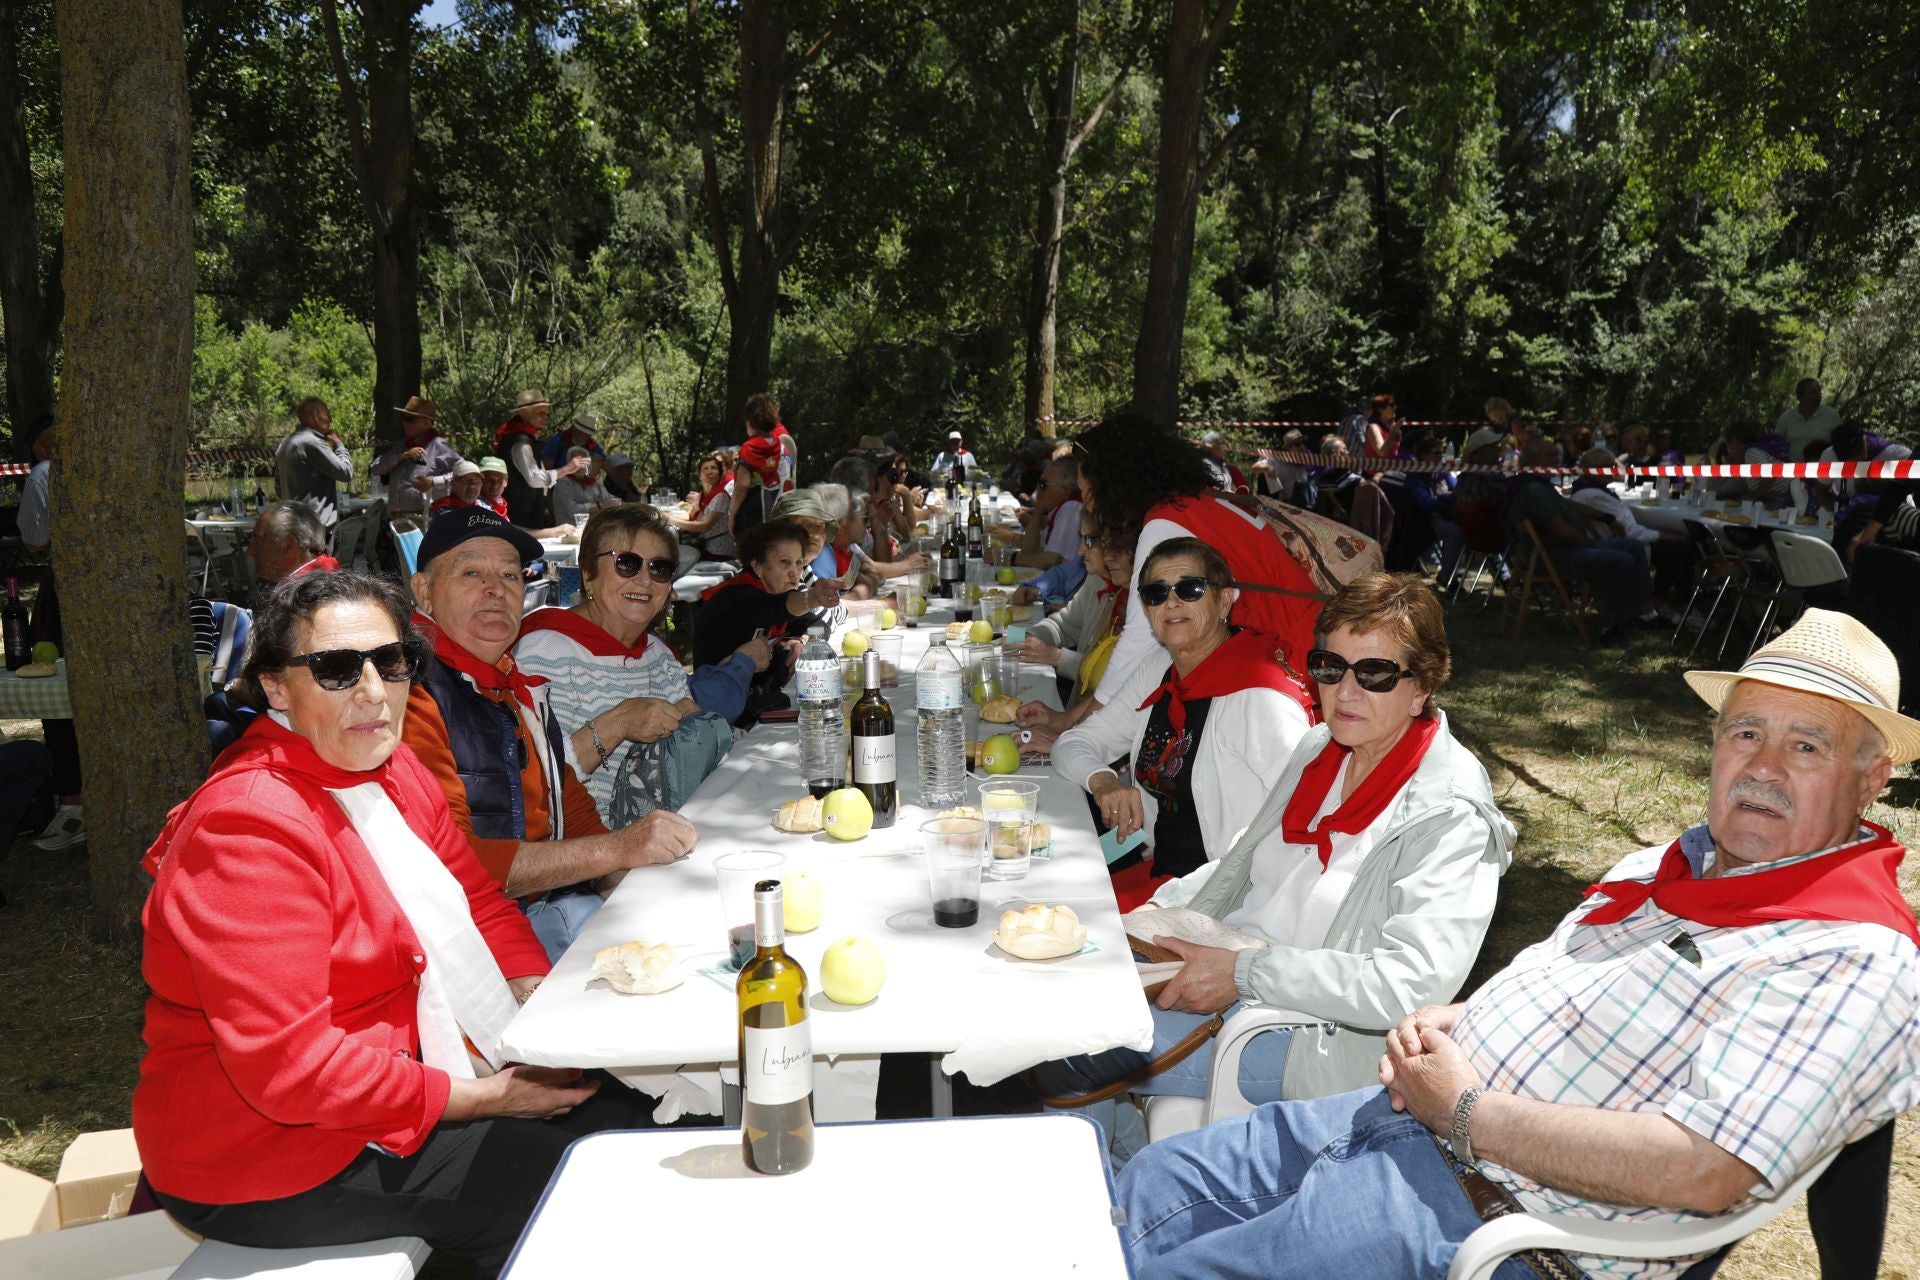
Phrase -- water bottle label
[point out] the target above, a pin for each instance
(818, 681)
(937, 690)
(873, 759)
(779, 1064)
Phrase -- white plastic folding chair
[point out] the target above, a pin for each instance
(1168, 1114)
(349, 539)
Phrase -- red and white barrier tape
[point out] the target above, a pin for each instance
(198, 458)
(1197, 424)
(1907, 469)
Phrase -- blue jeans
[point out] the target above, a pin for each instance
(1619, 572)
(558, 921)
(1261, 1065)
(1335, 1188)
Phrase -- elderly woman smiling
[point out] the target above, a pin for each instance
(1209, 730)
(322, 949)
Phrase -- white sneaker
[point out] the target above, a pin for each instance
(65, 831)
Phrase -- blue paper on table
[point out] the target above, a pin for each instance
(1015, 634)
(1114, 849)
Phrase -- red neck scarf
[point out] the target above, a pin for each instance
(706, 499)
(588, 634)
(420, 441)
(1855, 883)
(1368, 801)
(485, 676)
(1245, 661)
(842, 561)
(319, 564)
(503, 436)
(497, 505)
(748, 578)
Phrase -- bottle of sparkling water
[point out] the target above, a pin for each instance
(823, 720)
(943, 730)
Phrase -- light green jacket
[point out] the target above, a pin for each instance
(1404, 936)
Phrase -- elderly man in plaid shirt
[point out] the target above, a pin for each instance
(1717, 1016)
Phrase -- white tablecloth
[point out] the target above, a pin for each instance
(1667, 516)
(948, 991)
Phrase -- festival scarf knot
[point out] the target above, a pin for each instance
(1368, 801)
(1855, 883)
(508, 430)
(1245, 661)
(707, 498)
(485, 676)
(319, 564)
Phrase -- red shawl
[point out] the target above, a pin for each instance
(707, 498)
(504, 434)
(1256, 556)
(496, 505)
(761, 455)
(485, 676)
(584, 632)
(1855, 883)
(1368, 801)
(1245, 661)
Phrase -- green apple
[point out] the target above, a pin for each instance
(852, 971)
(854, 644)
(982, 691)
(803, 902)
(846, 814)
(1006, 577)
(981, 632)
(999, 754)
(46, 651)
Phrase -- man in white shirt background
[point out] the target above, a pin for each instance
(1807, 420)
(956, 451)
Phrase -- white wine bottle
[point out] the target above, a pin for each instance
(874, 764)
(776, 1046)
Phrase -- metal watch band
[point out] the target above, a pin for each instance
(1461, 1142)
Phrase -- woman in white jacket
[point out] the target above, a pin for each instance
(1368, 874)
(1208, 732)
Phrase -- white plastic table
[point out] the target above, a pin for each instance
(1669, 514)
(1025, 1196)
(948, 991)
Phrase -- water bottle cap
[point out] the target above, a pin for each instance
(819, 632)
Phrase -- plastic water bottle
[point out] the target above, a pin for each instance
(823, 720)
(943, 730)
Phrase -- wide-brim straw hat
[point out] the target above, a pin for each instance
(529, 400)
(415, 407)
(1834, 656)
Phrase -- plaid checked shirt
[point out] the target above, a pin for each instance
(1783, 1042)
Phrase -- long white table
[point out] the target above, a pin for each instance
(948, 991)
(1669, 514)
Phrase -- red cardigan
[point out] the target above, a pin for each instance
(281, 1031)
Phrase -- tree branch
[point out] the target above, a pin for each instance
(709, 166)
(351, 114)
(1106, 99)
(1217, 29)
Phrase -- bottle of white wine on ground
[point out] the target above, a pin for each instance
(776, 1046)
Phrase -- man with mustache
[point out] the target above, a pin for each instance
(1719, 1015)
(485, 730)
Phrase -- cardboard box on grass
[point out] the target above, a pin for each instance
(91, 1196)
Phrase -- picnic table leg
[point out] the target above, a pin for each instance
(730, 1103)
(941, 1086)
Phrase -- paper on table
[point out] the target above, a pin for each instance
(1148, 923)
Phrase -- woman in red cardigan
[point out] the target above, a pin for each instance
(331, 971)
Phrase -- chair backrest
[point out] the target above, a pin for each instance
(408, 540)
(348, 536)
(229, 651)
(1807, 561)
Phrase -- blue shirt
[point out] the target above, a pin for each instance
(1061, 581)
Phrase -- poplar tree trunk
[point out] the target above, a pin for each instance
(30, 300)
(1049, 226)
(763, 75)
(120, 455)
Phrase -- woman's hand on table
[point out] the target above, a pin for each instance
(662, 836)
(918, 562)
(823, 594)
(1204, 983)
(523, 988)
(523, 1092)
(1024, 595)
(1038, 716)
(1119, 804)
(1034, 649)
(645, 719)
(1040, 741)
(758, 652)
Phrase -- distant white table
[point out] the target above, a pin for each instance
(1020, 1196)
(1669, 515)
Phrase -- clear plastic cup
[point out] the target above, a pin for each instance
(886, 646)
(956, 855)
(1011, 808)
(737, 874)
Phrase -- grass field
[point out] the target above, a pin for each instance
(1591, 754)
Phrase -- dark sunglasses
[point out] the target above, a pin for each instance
(339, 669)
(1375, 675)
(1092, 540)
(1154, 594)
(628, 564)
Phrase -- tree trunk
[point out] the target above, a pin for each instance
(763, 74)
(1193, 39)
(121, 453)
(29, 301)
(1049, 225)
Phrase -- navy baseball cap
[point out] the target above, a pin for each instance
(463, 524)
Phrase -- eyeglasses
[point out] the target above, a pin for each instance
(1154, 594)
(340, 669)
(1092, 540)
(628, 564)
(1375, 675)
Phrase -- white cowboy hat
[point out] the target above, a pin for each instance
(1834, 656)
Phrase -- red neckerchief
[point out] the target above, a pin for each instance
(747, 578)
(449, 502)
(485, 676)
(1854, 884)
(319, 564)
(842, 561)
(584, 632)
(496, 505)
(1245, 661)
(1256, 555)
(1368, 801)
(504, 434)
(761, 455)
(1117, 611)
(1053, 516)
(421, 441)
(707, 498)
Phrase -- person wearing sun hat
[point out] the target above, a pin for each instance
(1718, 1016)
(419, 464)
(529, 485)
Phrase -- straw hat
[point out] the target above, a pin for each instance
(529, 400)
(1832, 655)
(1483, 437)
(415, 407)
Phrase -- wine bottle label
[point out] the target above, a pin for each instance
(951, 570)
(817, 681)
(873, 759)
(779, 1065)
(937, 690)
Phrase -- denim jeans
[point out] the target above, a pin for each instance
(558, 921)
(1261, 1066)
(1335, 1188)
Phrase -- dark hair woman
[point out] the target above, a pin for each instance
(704, 532)
(323, 950)
(765, 597)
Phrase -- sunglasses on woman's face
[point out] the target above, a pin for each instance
(1375, 675)
(628, 564)
(1092, 540)
(339, 669)
(1154, 594)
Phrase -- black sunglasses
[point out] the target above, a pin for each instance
(339, 669)
(1092, 540)
(1154, 594)
(1375, 675)
(628, 564)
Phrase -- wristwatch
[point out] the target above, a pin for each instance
(1461, 1142)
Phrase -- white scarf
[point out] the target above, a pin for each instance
(461, 989)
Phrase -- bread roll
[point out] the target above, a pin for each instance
(638, 968)
(802, 816)
(1000, 709)
(37, 670)
(1040, 933)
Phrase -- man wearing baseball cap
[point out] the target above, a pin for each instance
(955, 452)
(463, 488)
(485, 730)
(1718, 1016)
(493, 484)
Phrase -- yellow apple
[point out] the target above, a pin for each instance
(852, 971)
(853, 644)
(982, 690)
(887, 618)
(1006, 577)
(803, 903)
(846, 814)
(981, 632)
(998, 754)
